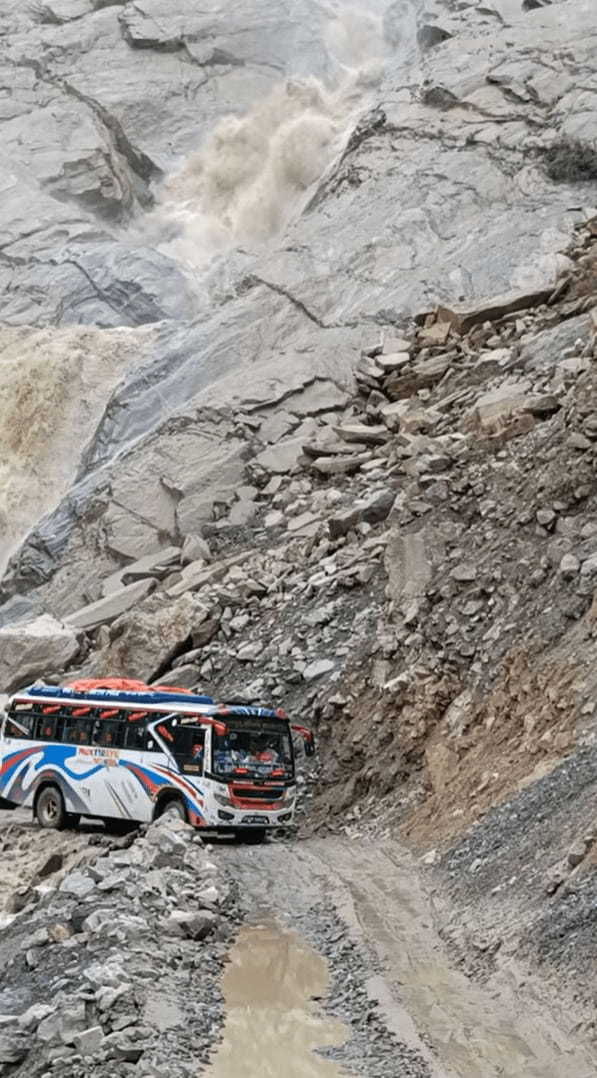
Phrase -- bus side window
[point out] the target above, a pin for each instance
(135, 736)
(20, 724)
(73, 730)
(82, 731)
(110, 734)
(45, 728)
(70, 733)
(189, 745)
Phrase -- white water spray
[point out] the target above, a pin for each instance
(252, 174)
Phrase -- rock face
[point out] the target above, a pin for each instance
(108, 609)
(33, 649)
(126, 176)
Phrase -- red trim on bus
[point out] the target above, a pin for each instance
(252, 802)
(16, 757)
(302, 730)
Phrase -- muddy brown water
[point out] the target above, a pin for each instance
(273, 1021)
(461, 1029)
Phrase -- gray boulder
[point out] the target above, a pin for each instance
(31, 649)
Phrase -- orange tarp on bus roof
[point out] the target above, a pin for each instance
(122, 684)
(169, 688)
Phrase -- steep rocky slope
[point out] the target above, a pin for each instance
(350, 460)
(412, 571)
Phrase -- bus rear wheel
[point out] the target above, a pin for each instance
(49, 809)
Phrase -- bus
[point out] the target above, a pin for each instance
(126, 753)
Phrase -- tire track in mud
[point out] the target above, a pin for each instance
(430, 1019)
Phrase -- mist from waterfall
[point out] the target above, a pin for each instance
(252, 173)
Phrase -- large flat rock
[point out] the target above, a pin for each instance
(106, 610)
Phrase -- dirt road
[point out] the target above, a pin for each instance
(455, 1028)
(348, 928)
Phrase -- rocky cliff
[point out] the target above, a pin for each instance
(265, 189)
(298, 348)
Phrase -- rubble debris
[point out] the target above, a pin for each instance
(107, 1010)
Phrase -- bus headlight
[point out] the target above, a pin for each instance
(289, 794)
(221, 800)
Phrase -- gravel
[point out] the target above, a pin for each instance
(500, 876)
(516, 841)
(371, 1051)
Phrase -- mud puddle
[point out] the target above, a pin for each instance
(273, 1021)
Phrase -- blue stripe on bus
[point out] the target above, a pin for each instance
(116, 694)
(58, 755)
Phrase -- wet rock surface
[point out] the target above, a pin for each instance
(94, 236)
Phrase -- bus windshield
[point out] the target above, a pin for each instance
(254, 752)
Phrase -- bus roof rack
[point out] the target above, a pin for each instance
(118, 695)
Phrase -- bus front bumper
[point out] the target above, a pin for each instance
(242, 818)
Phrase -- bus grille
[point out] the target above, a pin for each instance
(258, 793)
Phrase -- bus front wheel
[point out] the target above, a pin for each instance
(49, 809)
(174, 807)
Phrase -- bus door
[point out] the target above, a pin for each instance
(186, 745)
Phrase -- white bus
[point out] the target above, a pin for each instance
(125, 753)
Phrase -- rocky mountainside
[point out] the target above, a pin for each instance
(319, 409)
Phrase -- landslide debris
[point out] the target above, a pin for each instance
(112, 966)
(410, 566)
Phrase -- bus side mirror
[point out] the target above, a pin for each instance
(308, 738)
